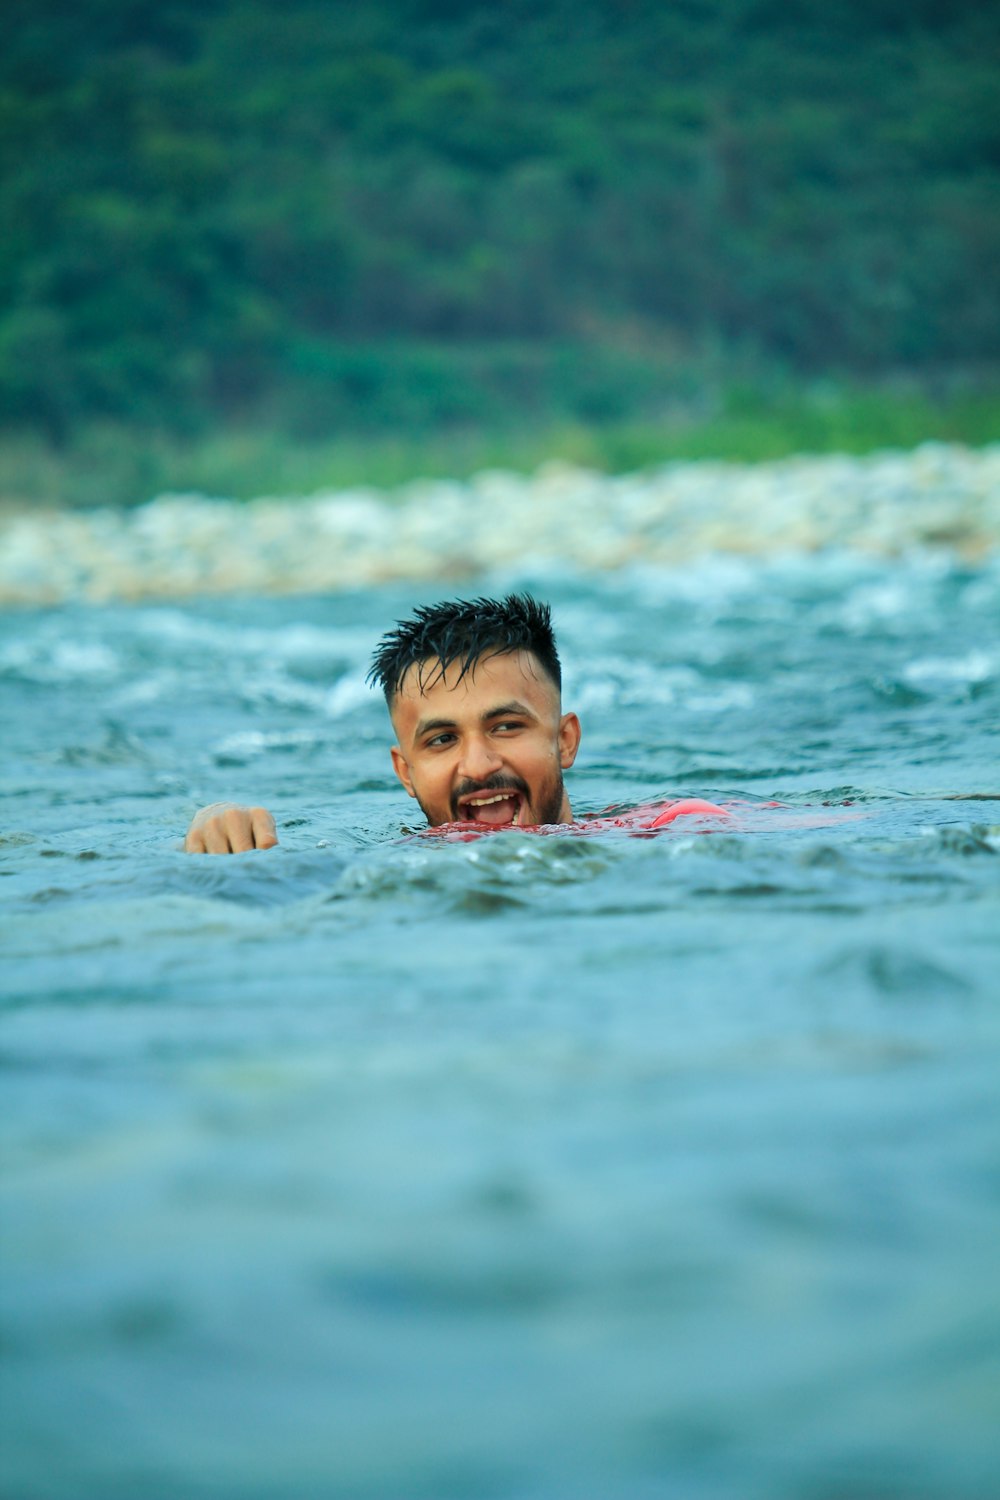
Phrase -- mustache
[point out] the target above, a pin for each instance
(496, 783)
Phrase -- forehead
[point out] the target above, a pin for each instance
(494, 679)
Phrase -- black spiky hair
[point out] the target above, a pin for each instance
(466, 631)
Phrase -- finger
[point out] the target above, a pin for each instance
(264, 832)
(239, 829)
(194, 843)
(215, 836)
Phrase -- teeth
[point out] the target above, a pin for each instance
(514, 797)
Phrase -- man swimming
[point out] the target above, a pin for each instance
(473, 689)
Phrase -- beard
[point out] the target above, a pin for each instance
(550, 800)
(549, 806)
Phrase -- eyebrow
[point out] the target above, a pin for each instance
(502, 710)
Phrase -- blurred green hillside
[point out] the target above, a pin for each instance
(331, 222)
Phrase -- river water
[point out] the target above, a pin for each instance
(545, 1168)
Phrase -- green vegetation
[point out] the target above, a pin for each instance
(111, 463)
(252, 245)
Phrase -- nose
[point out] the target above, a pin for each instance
(479, 758)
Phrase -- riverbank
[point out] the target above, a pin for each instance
(885, 504)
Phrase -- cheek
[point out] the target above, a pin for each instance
(545, 759)
(434, 782)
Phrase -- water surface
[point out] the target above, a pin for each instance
(380, 1166)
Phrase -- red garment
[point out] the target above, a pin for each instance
(648, 816)
(655, 814)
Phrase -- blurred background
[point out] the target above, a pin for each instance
(256, 247)
(380, 1167)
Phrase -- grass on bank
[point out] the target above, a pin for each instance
(105, 464)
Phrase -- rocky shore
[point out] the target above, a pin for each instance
(885, 504)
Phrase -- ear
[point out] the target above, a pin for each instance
(569, 739)
(402, 769)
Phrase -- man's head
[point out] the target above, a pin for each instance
(473, 690)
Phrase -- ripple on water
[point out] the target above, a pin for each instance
(493, 874)
(898, 974)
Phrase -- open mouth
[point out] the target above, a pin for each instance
(493, 809)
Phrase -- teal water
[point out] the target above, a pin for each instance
(376, 1166)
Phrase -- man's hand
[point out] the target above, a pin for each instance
(226, 828)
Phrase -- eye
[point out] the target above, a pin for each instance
(444, 738)
(508, 725)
